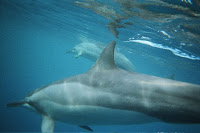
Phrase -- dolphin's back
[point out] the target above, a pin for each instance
(169, 100)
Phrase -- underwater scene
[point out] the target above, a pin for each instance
(55, 77)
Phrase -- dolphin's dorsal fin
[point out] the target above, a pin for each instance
(106, 59)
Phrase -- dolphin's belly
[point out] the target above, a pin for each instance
(84, 105)
(95, 115)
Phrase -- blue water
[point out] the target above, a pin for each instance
(35, 35)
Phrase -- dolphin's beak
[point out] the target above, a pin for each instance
(69, 52)
(15, 104)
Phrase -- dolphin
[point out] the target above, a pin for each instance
(108, 95)
(92, 51)
(112, 27)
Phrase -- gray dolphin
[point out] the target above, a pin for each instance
(107, 95)
(92, 51)
(112, 27)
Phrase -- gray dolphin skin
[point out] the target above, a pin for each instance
(107, 95)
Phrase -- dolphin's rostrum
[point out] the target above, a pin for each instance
(107, 95)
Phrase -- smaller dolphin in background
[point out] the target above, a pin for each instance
(112, 27)
(92, 51)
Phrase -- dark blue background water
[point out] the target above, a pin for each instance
(34, 38)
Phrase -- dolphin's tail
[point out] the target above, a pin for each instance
(15, 104)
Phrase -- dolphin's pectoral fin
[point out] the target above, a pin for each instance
(79, 54)
(47, 124)
(86, 127)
